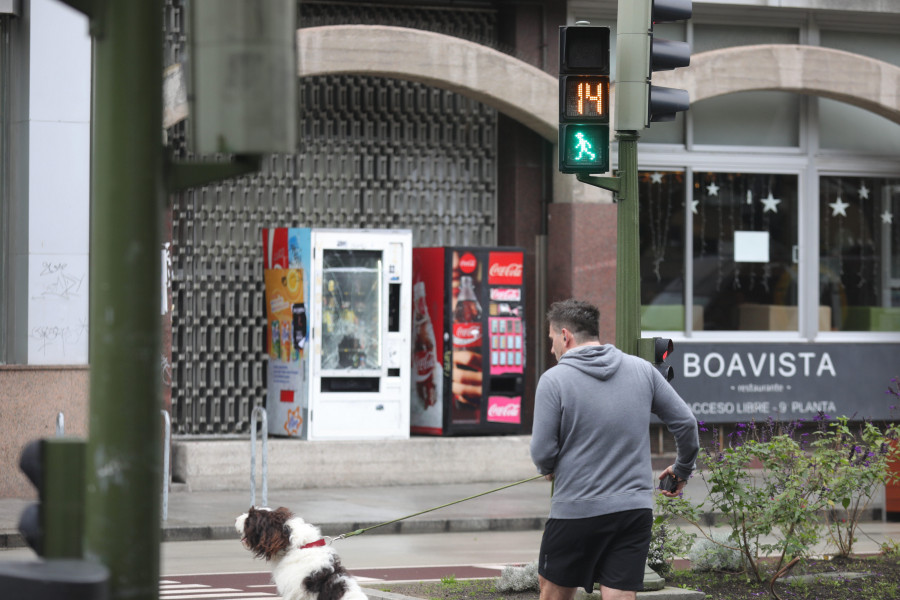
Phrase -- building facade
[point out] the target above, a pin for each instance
(768, 247)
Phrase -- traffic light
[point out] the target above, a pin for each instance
(54, 526)
(638, 54)
(662, 349)
(583, 99)
(657, 350)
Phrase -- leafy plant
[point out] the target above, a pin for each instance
(449, 580)
(666, 543)
(519, 578)
(763, 484)
(715, 554)
(890, 548)
(855, 465)
(774, 480)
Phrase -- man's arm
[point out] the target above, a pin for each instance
(675, 413)
(545, 431)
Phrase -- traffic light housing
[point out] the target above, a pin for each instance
(583, 99)
(658, 350)
(54, 526)
(639, 53)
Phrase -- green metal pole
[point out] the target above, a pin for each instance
(124, 456)
(628, 279)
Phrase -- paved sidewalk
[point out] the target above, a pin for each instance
(211, 515)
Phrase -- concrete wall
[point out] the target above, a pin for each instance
(294, 464)
(30, 399)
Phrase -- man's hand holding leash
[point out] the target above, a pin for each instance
(670, 485)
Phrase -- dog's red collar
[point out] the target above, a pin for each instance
(313, 544)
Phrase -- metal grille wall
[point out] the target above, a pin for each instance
(375, 153)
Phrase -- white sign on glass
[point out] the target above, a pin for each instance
(751, 246)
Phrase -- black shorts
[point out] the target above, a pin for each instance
(609, 549)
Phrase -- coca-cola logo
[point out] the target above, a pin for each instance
(467, 263)
(506, 294)
(505, 268)
(508, 410)
(424, 364)
(502, 409)
(466, 334)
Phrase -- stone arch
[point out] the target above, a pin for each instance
(529, 95)
(858, 80)
(513, 87)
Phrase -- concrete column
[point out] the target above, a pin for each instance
(50, 172)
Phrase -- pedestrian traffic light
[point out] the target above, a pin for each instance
(583, 99)
(54, 526)
(638, 54)
(657, 350)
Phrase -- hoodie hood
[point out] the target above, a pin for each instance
(600, 362)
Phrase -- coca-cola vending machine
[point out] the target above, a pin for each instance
(468, 340)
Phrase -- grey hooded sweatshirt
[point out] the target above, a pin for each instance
(592, 431)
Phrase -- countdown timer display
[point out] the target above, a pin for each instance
(585, 98)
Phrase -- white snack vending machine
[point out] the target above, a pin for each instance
(343, 365)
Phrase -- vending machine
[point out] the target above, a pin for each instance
(339, 306)
(468, 340)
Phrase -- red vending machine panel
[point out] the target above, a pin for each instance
(473, 300)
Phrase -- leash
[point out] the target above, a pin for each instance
(362, 531)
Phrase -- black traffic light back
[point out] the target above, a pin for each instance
(663, 348)
(665, 55)
(666, 11)
(54, 526)
(31, 523)
(657, 351)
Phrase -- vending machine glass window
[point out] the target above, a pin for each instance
(351, 309)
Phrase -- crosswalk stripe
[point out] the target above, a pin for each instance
(181, 586)
(205, 589)
(217, 594)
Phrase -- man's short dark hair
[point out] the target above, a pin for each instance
(581, 318)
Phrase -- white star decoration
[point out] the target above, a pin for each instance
(695, 204)
(839, 207)
(887, 218)
(864, 192)
(656, 178)
(712, 189)
(770, 203)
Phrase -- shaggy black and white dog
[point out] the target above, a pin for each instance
(304, 567)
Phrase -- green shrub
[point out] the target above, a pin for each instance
(519, 579)
(715, 554)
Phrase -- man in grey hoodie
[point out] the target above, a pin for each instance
(591, 437)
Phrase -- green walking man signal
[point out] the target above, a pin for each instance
(583, 99)
(584, 147)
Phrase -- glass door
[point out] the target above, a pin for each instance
(859, 246)
(745, 251)
(351, 310)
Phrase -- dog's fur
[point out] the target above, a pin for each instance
(313, 573)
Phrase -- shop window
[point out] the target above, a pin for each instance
(745, 254)
(714, 37)
(859, 252)
(748, 119)
(883, 46)
(661, 211)
(849, 128)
